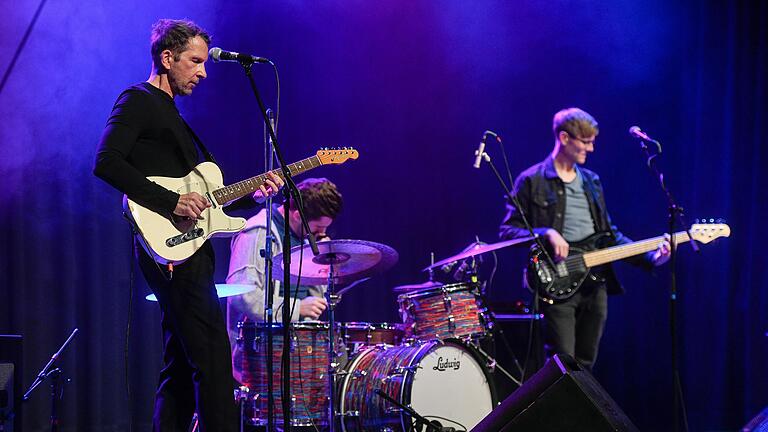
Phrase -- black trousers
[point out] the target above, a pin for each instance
(197, 371)
(575, 326)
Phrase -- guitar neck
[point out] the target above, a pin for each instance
(615, 253)
(235, 191)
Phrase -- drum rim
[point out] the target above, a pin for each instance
(366, 325)
(450, 288)
(301, 325)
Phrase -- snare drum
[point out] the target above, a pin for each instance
(441, 380)
(308, 377)
(359, 334)
(449, 311)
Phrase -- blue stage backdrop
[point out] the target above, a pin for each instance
(412, 86)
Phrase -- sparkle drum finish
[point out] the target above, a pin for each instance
(441, 380)
(309, 372)
(449, 311)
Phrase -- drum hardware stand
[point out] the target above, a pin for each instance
(675, 215)
(333, 300)
(241, 395)
(420, 421)
(54, 373)
(289, 190)
(268, 279)
(492, 364)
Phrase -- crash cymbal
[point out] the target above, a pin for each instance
(478, 249)
(417, 287)
(351, 260)
(224, 290)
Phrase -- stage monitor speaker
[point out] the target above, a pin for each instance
(10, 383)
(757, 424)
(562, 396)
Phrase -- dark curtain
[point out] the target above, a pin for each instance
(412, 86)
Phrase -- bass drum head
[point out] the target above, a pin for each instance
(442, 381)
(451, 384)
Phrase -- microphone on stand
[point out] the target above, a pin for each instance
(639, 134)
(218, 54)
(636, 132)
(479, 153)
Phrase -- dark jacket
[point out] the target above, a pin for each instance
(541, 194)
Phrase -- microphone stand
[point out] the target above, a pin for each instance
(675, 215)
(54, 374)
(270, 288)
(540, 244)
(289, 190)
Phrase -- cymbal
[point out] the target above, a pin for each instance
(417, 287)
(224, 290)
(351, 260)
(478, 249)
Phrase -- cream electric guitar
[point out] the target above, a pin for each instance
(172, 240)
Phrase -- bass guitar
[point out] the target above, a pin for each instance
(171, 240)
(561, 281)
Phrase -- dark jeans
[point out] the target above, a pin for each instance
(197, 372)
(574, 327)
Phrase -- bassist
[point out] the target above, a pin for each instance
(565, 203)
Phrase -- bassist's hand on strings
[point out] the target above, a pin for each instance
(271, 186)
(661, 254)
(190, 206)
(560, 247)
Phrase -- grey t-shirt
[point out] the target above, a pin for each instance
(577, 223)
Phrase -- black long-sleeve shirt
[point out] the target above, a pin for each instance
(145, 136)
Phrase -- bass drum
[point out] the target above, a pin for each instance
(440, 380)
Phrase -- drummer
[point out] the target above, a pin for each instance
(322, 203)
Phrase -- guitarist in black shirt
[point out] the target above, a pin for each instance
(146, 136)
(565, 204)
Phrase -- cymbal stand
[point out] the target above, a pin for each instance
(492, 364)
(332, 299)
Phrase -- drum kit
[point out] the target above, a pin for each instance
(359, 376)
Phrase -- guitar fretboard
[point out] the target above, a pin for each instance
(230, 193)
(615, 253)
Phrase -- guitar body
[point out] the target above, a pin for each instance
(587, 257)
(561, 282)
(169, 241)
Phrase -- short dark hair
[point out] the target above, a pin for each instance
(320, 197)
(576, 122)
(174, 35)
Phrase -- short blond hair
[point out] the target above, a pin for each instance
(576, 122)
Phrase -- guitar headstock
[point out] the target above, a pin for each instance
(706, 232)
(336, 156)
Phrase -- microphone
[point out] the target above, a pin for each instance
(480, 152)
(639, 134)
(218, 54)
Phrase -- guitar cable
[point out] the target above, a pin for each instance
(126, 348)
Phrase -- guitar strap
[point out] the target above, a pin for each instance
(599, 212)
(208, 156)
